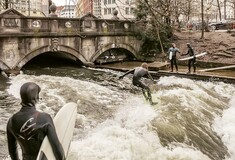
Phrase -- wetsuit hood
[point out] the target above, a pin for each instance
(29, 93)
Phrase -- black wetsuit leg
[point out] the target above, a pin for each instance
(189, 65)
(194, 64)
(144, 88)
(174, 63)
(145, 96)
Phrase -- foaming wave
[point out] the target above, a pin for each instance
(129, 135)
(188, 108)
(225, 127)
(56, 91)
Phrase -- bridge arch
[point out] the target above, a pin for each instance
(112, 46)
(3, 66)
(44, 49)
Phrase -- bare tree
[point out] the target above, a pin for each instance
(202, 16)
(157, 15)
(225, 9)
(231, 4)
(186, 7)
(219, 10)
(156, 25)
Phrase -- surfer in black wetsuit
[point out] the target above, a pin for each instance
(28, 127)
(192, 61)
(138, 73)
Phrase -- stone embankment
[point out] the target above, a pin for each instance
(159, 69)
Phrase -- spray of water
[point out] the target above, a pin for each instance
(115, 124)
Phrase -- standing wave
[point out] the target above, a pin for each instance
(116, 124)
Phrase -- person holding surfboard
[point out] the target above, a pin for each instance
(173, 50)
(138, 73)
(192, 61)
(28, 127)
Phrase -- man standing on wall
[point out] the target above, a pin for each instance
(192, 61)
(172, 56)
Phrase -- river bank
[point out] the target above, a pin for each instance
(163, 69)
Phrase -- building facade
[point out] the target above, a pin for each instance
(67, 11)
(211, 10)
(104, 8)
(37, 8)
(125, 8)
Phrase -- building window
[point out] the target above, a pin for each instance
(105, 11)
(132, 11)
(127, 11)
(109, 10)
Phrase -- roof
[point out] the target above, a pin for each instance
(11, 13)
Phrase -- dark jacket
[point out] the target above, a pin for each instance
(190, 51)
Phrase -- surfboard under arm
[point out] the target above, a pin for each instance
(191, 57)
(64, 122)
(170, 55)
(218, 68)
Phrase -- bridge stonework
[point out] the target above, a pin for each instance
(85, 39)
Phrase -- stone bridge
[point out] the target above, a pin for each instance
(88, 39)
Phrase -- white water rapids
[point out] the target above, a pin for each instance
(193, 120)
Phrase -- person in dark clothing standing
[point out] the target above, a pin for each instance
(138, 73)
(172, 56)
(191, 62)
(28, 127)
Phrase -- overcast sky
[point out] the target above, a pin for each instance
(62, 2)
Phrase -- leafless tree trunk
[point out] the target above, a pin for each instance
(234, 9)
(155, 25)
(225, 9)
(233, 6)
(177, 13)
(219, 9)
(203, 22)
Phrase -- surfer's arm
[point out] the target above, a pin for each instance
(12, 143)
(150, 77)
(185, 53)
(54, 141)
(178, 50)
(131, 71)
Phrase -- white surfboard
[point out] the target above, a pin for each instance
(170, 55)
(191, 57)
(64, 122)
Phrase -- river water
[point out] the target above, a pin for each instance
(193, 120)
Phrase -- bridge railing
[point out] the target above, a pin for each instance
(47, 26)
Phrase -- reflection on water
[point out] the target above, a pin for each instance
(114, 121)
